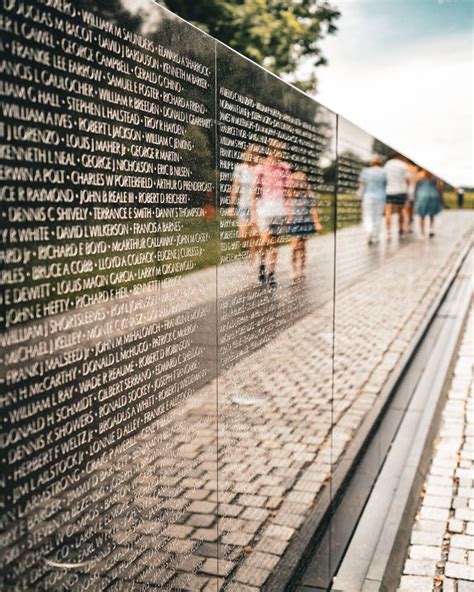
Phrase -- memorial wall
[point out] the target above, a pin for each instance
(167, 371)
(108, 189)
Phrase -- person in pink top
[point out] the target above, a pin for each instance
(269, 208)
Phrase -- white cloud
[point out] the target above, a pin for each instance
(417, 97)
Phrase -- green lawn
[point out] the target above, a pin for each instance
(451, 201)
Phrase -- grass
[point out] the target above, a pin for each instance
(451, 201)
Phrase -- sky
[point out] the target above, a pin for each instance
(404, 71)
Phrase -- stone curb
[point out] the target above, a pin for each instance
(385, 526)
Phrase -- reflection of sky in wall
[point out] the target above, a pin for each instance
(148, 10)
(354, 139)
(403, 69)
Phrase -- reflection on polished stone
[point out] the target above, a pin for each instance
(276, 148)
(109, 347)
(173, 396)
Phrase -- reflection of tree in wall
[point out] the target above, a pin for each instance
(330, 173)
(381, 148)
(350, 165)
(199, 159)
(357, 159)
(114, 11)
(349, 160)
(278, 34)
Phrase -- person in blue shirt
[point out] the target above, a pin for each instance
(373, 191)
(427, 201)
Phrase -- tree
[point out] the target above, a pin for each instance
(280, 35)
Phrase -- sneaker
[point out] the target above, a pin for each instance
(262, 274)
(272, 281)
(432, 234)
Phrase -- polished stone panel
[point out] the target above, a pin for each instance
(276, 199)
(174, 398)
(108, 336)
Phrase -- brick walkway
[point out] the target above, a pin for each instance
(441, 553)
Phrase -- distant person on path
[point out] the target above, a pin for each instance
(271, 191)
(398, 181)
(241, 196)
(428, 201)
(460, 197)
(410, 205)
(373, 191)
(303, 222)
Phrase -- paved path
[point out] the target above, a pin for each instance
(441, 553)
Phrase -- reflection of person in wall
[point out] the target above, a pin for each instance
(398, 181)
(209, 209)
(427, 201)
(303, 222)
(241, 196)
(373, 190)
(270, 194)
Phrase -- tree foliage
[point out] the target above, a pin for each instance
(278, 34)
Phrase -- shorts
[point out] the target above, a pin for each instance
(301, 229)
(398, 199)
(271, 217)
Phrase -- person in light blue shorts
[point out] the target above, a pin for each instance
(303, 222)
(373, 190)
(427, 201)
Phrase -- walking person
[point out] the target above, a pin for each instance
(410, 205)
(460, 197)
(398, 181)
(271, 191)
(373, 190)
(427, 201)
(302, 224)
(241, 197)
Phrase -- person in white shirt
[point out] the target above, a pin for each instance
(410, 205)
(398, 183)
(241, 196)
